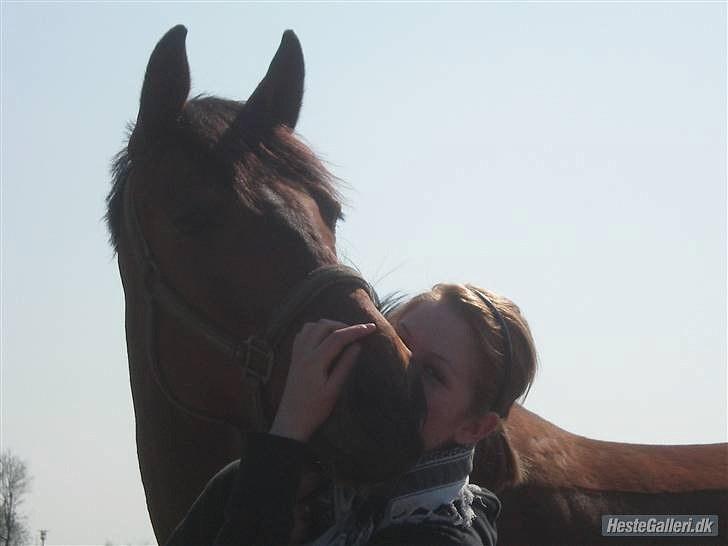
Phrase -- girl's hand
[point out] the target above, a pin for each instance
(316, 376)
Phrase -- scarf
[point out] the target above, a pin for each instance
(435, 489)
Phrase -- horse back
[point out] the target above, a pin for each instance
(555, 485)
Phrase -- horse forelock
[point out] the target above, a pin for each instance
(255, 159)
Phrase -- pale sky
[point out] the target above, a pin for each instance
(570, 156)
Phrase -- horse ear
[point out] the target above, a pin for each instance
(166, 83)
(496, 465)
(277, 99)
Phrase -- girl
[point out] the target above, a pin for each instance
(475, 355)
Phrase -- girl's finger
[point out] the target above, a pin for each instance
(305, 332)
(343, 368)
(337, 323)
(323, 328)
(336, 341)
(312, 333)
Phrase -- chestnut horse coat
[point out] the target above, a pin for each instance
(555, 486)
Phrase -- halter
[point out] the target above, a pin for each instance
(255, 354)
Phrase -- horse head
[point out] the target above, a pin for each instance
(218, 212)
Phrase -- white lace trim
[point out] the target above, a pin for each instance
(450, 504)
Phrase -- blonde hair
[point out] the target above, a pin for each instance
(495, 384)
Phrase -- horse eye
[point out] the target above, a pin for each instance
(192, 222)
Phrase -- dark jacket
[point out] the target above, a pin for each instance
(251, 504)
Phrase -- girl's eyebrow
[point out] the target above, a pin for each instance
(408, 334)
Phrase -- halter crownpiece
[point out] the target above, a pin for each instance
(507, 353)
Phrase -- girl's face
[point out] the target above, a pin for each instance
(444, 350)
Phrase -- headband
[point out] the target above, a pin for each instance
(508, 353)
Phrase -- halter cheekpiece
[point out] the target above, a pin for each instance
(254, 354)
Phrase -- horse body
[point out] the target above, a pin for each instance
(555, 485)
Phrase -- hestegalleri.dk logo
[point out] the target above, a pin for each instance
(660, 525)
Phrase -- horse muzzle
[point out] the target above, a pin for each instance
(374, 433)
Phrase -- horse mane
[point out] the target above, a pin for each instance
(252, 159)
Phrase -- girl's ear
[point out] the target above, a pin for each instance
(476, 428)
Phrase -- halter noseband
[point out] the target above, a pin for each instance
(254, 354)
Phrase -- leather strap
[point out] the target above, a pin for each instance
(254, 354)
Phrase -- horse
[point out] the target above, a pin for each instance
(223, 223)
(217, 212)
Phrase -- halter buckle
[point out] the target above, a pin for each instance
(256, 358)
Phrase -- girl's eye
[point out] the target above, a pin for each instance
(433, 373)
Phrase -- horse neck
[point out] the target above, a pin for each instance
(177, 453)
(553, 457)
